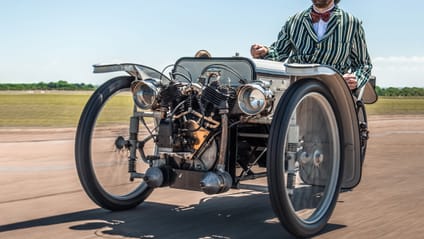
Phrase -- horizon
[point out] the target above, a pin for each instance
(97, 85)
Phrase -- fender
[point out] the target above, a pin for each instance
(138, 71)
(349, 119)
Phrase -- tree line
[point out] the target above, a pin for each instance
(64, 85)
(404, 91)
(59, 85)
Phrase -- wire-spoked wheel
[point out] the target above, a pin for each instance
(102, 148)
(303, 161)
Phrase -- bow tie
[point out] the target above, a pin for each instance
(316, 16)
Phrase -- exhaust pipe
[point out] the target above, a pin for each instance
(219, 181)
(159, 177)
(216, 182)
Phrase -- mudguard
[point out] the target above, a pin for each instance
(349, 120)
(345, 103)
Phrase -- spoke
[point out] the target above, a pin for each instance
(110, 148)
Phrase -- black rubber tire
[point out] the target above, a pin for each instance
(83, 155)
(362, 119)
(279, 194)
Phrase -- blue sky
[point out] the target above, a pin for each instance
(51, 40)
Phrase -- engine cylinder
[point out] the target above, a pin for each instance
(213, 96)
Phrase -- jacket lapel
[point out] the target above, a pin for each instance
(333, 23)
(307, 23)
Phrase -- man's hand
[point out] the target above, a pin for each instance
(258, 51)
(351, 80)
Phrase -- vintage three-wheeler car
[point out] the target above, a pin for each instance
(211, 124)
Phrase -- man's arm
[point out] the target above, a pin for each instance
(280, 50)
(361, 61)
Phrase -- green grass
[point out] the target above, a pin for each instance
(396, 106)
(55, 109)
(18, 109)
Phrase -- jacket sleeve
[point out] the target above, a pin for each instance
(361, 62)
(280, 50)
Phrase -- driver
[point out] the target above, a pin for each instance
(323, 34)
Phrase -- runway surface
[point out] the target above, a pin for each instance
(40, 195)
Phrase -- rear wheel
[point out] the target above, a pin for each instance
(303, 162)
(102, 149)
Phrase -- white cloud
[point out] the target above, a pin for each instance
(399, 71)
(400, 59)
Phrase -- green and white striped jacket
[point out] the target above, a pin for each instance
(343, 46)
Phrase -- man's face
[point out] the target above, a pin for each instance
(322, 3)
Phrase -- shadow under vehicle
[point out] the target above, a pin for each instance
(213, 124)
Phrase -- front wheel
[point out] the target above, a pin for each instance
(101, 151)
(303, 161)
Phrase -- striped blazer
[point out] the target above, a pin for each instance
(342, 47)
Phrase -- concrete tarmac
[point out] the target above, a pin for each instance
(40, 195)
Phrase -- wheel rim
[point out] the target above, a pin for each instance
(311, 158)
(109, 160)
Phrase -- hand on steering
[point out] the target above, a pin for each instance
(351, 80)
(258, 51)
